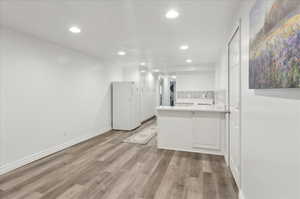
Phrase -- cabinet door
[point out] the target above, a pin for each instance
(175, 130)
(206, 131)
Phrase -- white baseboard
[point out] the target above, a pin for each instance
(226, 159)
(36, 156)
(241, 195)
(211, 152)
(148, 119)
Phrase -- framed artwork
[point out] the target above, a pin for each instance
(275, 44)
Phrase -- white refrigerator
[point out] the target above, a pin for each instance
(125, 106)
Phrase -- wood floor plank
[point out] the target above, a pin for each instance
(108, 185)
(115, 152)
(194, 182)
(72, 193)
(121, 160)
(29, 167)
(31, 176)
(74, 178)
(210, 186)
(33, 195)
(138, 180)
(206, 164)
(122, 183)
(2, 193)
(196, 165)
(106, 168)
(183, 171)
(135, 159)
(157, 175)
(168, 179)
(96, 187)
(193, 188)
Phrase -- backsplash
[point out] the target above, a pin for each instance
(195, 97)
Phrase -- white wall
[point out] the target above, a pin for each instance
(195, 81)
(221, 79)
(50, 97)
(114, 73)
(270, 131)
(166, 101)
(131, 73)
(148, 88)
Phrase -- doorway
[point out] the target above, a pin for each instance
(234, 104)
(161, 90)
(172, 92)
(167, 91)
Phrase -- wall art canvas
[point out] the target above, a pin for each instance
(275, 44)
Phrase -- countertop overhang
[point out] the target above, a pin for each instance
(208, 108)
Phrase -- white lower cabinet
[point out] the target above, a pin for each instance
(174, 130)
(192, 131)
(206, 131)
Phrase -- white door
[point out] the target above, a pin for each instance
(234, 66)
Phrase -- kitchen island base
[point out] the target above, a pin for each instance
(192, 130)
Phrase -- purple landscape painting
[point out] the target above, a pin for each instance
(275, 44)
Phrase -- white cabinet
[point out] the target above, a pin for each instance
(206, 131)
(174, 130)
(194, 131)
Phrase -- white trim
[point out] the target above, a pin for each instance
(148, 119)
(241, 195)
(36, 156)
(226, 159)
(1, 146)
(192, 150)
(237, 173)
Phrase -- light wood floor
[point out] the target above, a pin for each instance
(106, 168)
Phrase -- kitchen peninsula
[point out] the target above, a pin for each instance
(192, 128)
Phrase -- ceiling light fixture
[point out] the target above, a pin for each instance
(188, 61)
(173, 76)
(143, 64)
(75, 29)
(143, 71)
(184, 47)
(172, 14)
(156, 70)
(121, 53)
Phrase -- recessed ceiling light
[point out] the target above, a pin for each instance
(172, 14)
(75, 29)
(121, 53)
(156, 70)
(142, 63)
(173, 76)
(184, 47)
(189, 61)
(143, 71)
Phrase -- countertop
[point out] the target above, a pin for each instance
(200, 108)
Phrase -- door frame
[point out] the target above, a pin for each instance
(237, 30)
